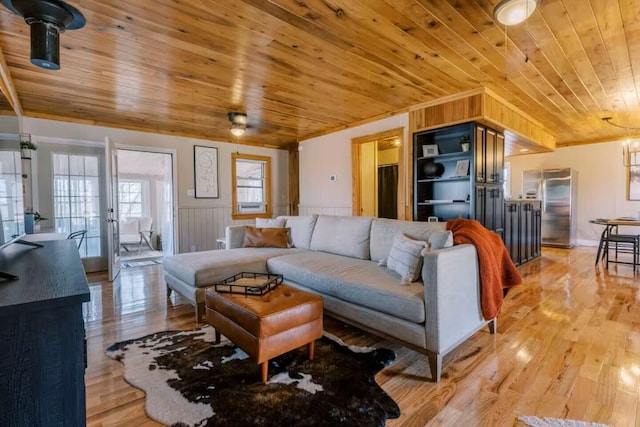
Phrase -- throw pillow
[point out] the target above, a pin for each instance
(265, 237)
(405, 257)
(441, 239)
(270, 222)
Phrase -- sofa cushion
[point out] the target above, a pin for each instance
(265, 237)
(342, 235)
(208, 267)
(383, 231)
(405, 257)
(301, 229)
(360, 282)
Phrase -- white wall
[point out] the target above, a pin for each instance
(199, 210)
(602, 187)
(328, 155)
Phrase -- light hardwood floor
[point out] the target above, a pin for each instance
(568, 345)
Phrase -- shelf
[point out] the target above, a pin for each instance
(449, 156)
(442, 202)
(451, 178)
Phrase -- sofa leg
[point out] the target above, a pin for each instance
(493, 325)
(169, 291)
(435, 364)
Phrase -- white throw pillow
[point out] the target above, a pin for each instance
(440, 240)
(405, 257)
(270, 222)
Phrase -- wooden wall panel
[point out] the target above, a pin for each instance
(506, 117)
(294, 178)
(521, 131)
(456, 111)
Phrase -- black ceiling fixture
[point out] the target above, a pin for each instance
(47, 19)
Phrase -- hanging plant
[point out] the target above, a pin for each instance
(27, 145)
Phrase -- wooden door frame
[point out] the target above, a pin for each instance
(355, 168)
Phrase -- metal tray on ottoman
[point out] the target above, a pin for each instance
(266, 326)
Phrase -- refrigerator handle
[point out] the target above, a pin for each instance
(544, 195)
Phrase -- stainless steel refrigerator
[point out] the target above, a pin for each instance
(557, 188)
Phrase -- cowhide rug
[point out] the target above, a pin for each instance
(190, 381)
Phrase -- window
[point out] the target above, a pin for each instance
(251, 178)
(76, 199)
(11, 202)
(506, 173)
(130, 195)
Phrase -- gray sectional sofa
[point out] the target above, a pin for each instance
(339, 258)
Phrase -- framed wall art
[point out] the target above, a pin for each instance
(430, 150)
(205, 166)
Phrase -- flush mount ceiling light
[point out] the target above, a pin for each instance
(47, 19)
(238, 123)
(514, 12)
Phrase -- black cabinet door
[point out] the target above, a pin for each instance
(527, 231)
(498, 162)
(497, 210)
(537, 232)
(512, 230)
(491, 139)
(480, 155)
(481, 204)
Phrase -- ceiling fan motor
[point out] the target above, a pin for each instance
(47, 19)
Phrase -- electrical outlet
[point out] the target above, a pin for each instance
(191, 192)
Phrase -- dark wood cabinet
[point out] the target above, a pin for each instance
(522, 222)
(42, 333)
(474, 193)
(442, 170)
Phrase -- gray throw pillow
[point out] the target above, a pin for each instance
(405, 258)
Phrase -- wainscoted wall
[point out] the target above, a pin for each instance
(325, 210)
(200, 227)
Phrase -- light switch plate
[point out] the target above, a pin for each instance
(191, 192)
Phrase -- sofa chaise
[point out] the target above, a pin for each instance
(343, 260)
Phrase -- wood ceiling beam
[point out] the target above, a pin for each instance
(7, 87)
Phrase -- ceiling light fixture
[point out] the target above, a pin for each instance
(47, 19)
(630, 150)
(238, 123)
(514, 12)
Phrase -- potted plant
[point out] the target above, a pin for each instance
(465, 142)
(37, 218)
(25, 148)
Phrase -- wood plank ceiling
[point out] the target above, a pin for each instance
(304, 67)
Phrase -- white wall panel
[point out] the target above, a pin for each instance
(200, 227)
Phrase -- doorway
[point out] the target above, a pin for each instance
(379, 176)
(146, 206)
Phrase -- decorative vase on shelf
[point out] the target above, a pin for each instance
(432, 170)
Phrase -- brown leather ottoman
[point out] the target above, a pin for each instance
(266, 326)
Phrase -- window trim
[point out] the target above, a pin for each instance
(267, 187)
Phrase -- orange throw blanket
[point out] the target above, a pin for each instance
(497, 271)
